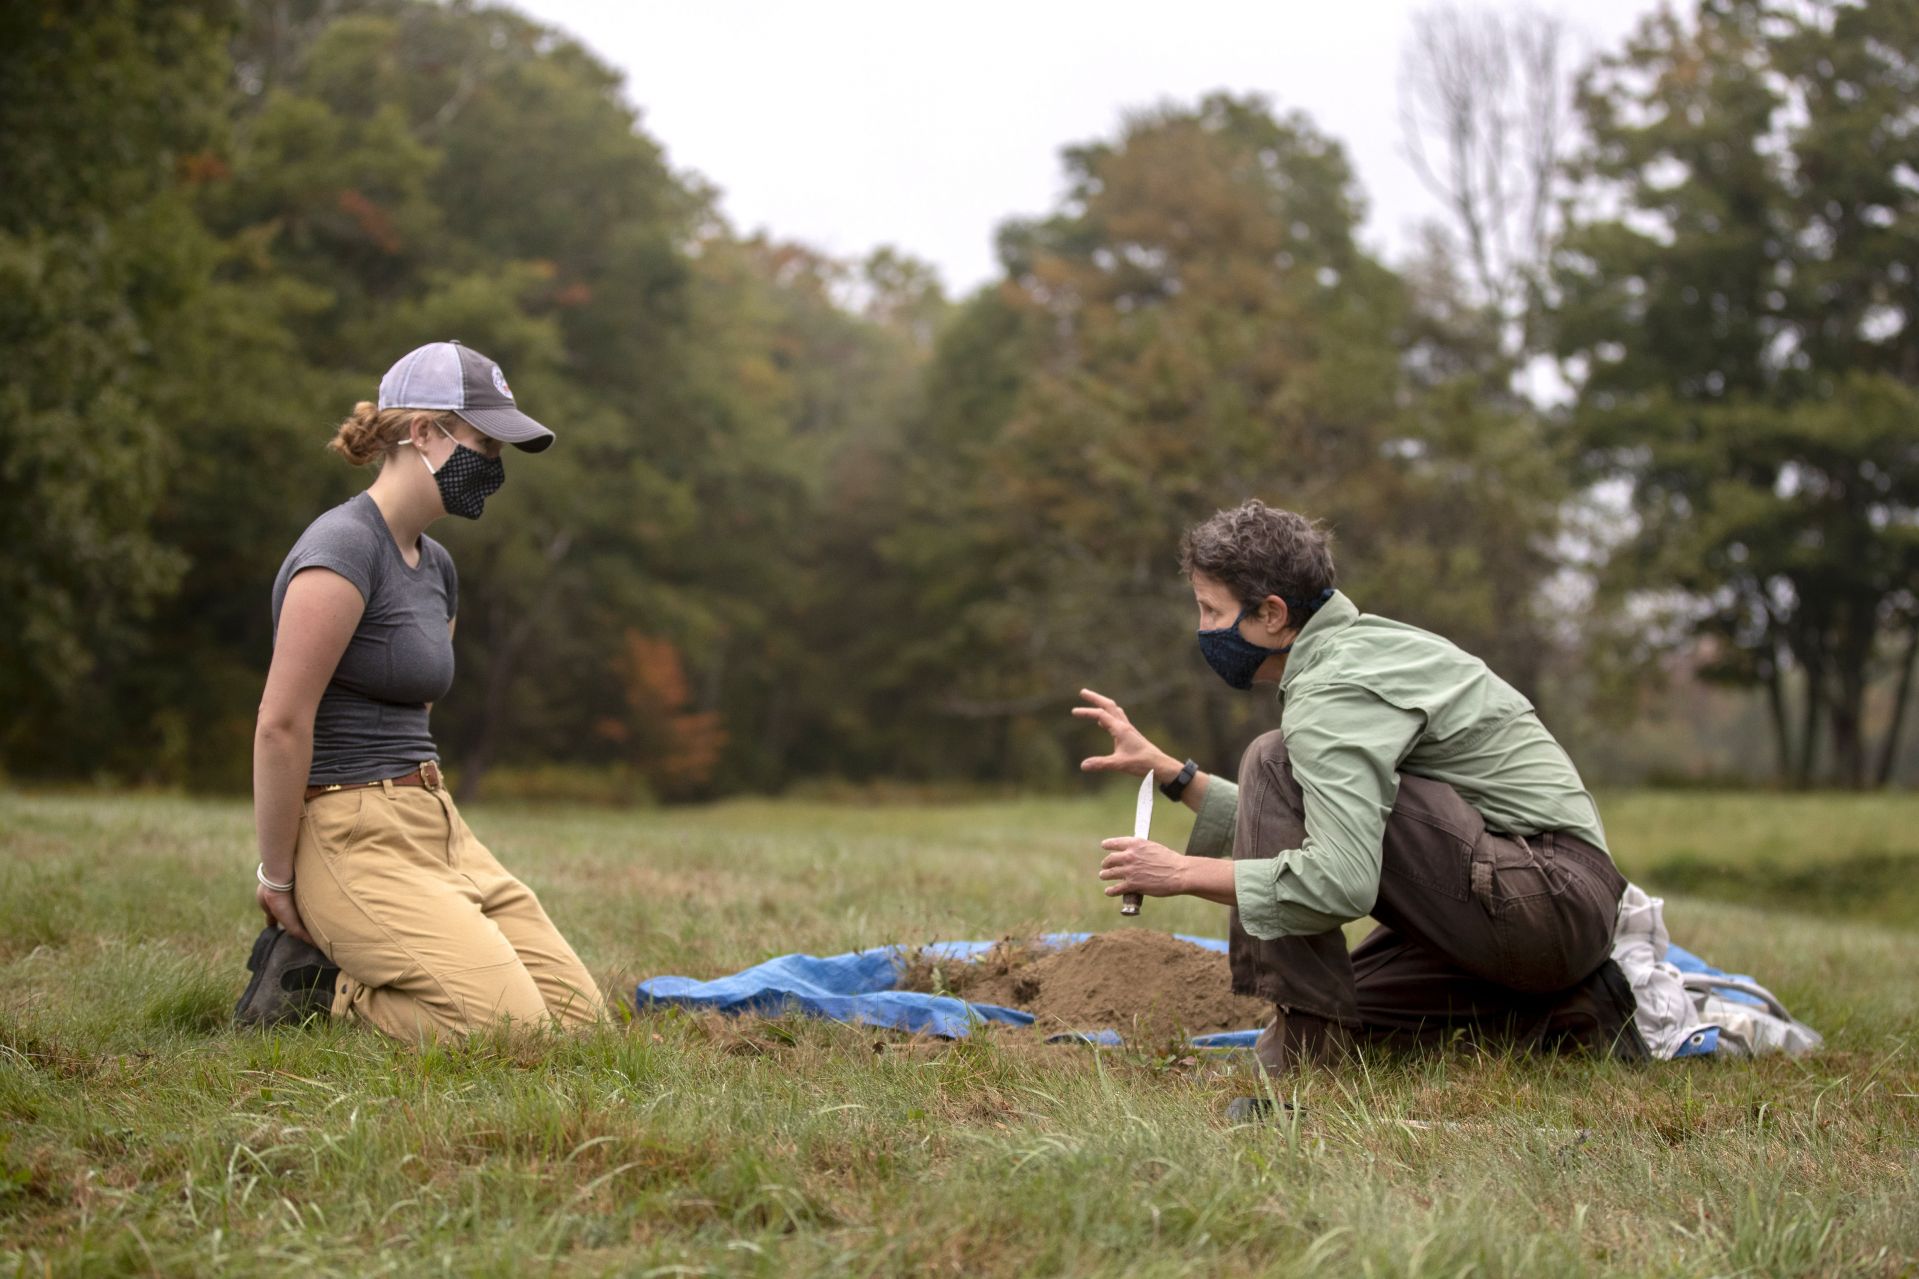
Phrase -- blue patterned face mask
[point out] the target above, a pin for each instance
(1236, 659)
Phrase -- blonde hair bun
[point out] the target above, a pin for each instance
(371, 433)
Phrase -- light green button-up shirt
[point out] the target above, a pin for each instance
(1363, 700)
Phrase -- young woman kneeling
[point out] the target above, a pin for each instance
(383, 907)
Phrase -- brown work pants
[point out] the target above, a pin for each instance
(432, 935)
(1506, 938)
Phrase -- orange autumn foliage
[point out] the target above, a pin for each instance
(680, 748)
(374, 222)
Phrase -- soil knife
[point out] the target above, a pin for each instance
(1142, 823)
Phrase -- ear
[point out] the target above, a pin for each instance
(1274, 615)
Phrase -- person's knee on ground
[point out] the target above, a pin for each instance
(448, 1005)
(572, 1002)
(571, 996)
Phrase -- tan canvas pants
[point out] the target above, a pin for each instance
(432, 935)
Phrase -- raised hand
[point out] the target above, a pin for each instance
(1131, 753)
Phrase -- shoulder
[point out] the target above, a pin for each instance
(344, 527)
(1418, 670)
(1372, 630)
(343, 540)
(1373, 667)
(1374, 643)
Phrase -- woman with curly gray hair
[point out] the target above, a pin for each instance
(1406, 781)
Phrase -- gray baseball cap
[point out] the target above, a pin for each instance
(447, 375)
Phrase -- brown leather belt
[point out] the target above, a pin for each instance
(427, 775)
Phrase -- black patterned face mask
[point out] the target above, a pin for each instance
(466, 479)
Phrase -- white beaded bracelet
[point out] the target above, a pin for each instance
(261, 875)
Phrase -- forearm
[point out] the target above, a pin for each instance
(282, 757)
(1208, 878)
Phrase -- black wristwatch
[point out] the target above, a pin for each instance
(1177, 787)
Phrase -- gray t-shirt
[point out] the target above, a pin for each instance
(372, 719)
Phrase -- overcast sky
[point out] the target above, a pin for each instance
(848, 124)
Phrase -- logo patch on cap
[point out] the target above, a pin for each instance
(499, 383)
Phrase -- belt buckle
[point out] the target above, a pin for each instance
(430, 775)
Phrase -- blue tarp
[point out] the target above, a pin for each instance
(858, 988)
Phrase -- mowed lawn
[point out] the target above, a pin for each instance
(140, 1135)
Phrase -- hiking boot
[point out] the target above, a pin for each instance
(292, 981)
(1255, 1110)
(1296, 1039)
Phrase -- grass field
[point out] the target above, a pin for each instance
(140, 1135)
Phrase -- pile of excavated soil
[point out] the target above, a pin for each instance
(1145, 985)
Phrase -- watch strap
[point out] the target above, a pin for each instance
(1177, 787)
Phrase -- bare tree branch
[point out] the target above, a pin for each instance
(1484, 110)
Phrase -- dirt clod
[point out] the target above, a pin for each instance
(1146, 985)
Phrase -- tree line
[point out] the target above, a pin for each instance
(812, 519)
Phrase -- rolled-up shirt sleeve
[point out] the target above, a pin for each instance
(1345, 745)
(1213, 826)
